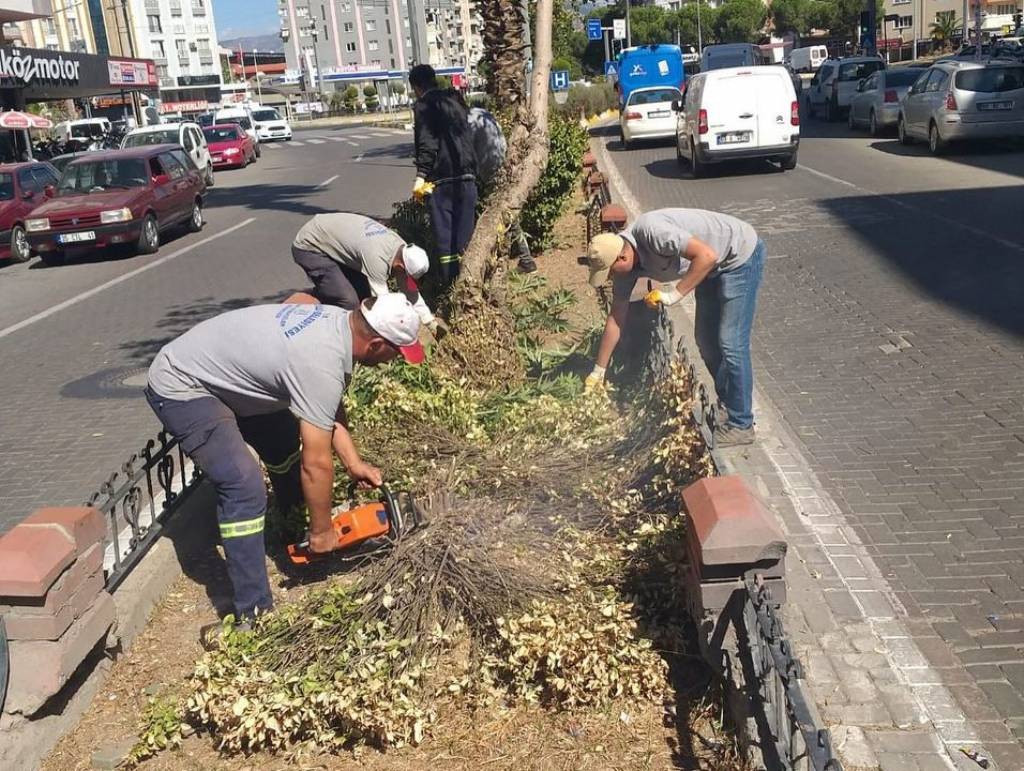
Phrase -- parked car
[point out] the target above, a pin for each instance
(716, 57)
(230, 146)
(84, 130)
(243, 117)
(60, 161)
(119, 197)
(877, 101)
(835, 83)
(187, 134)
(738, 112)
(648, 114)
(23, 186)
(962, 100)
(270, 125)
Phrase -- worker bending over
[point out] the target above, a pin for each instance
(273, 376)
(719, 258)
(349, 257)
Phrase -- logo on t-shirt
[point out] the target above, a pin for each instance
(371, 229)
(293, 319)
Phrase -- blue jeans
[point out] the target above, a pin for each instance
(725, 315)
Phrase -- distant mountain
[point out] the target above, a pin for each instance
(271, 43)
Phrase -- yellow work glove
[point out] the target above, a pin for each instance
(422, 188)
(594, 380)
(666, 297)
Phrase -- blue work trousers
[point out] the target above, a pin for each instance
(726, 303)
(453, 217)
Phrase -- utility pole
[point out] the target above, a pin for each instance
(700, 40)
(629, 26)
(964, 38)
(418, 31)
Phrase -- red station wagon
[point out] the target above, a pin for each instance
(230, 145)
(23, 186)
(119, 197)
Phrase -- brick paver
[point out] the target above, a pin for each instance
(889, 339)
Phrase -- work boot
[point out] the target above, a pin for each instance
(527, 265)
(733, 436)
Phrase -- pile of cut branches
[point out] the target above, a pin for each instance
(549, 575)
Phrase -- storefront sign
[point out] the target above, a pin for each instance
(131, 73)
(28, 66)
(187, 81)
(194, 105)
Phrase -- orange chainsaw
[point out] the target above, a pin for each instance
(389, 519)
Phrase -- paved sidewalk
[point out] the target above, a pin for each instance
(889, 687)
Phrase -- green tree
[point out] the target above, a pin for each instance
(349, 98)
(568, 43)
(686, 23)
(652, 25)
(801, 16)
(945, 28)
(845, 18)
(741, 21)
(370, 94)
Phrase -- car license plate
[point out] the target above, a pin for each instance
(659, 114)
(76, 238)
(733, 137)
(995, 105)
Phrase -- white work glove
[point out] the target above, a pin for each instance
(594, 380)
(421, 188)
(665, 297)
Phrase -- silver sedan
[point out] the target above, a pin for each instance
(876, 104)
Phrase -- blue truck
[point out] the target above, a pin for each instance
(646, 66)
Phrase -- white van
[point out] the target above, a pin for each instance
(187, 134)
(243, 117)
(738, 112)
(729, 55)
(807, 59)
(84, 130)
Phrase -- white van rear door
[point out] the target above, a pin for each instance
(774, 107)
(731, 104)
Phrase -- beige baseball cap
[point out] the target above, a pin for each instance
(604, 250)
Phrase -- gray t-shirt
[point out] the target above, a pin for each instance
(660, 238)
(262, 359)
(355, 241)
(488, 143)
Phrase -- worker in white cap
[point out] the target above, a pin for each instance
(350, 257)
(717, 257)
(272, 377)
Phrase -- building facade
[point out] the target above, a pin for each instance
(324, 38)
(917, 16)
(68, 27)
(180, 36)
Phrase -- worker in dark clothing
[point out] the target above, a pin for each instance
(445, 167)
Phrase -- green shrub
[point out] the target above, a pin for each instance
(568, 142)
(590, 100)
(350, 97)
(371, 97)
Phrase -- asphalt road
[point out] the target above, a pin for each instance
(890, 335)
(75, 340)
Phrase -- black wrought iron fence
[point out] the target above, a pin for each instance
(138, 500)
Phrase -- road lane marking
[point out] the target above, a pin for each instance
(895, 201)
(337, 139)
(118, 280)
(381, 134)
(296, 143)
(328, 181)
(315, 141)
(351, 143)
(358, 136)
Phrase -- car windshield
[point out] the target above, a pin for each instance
(86, 130)
(858, 70)
(991, 80)
(61, 161)
(897, 78)
(654, 97)
(205, 120)
(220, 134)
(266, 115)
(720, 61)
(241, 120)
(97, 176)
(6, 187)
(167, 136)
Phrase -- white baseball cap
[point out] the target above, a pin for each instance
(416, 261)
(392, 317)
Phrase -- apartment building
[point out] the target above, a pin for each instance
(67, 27)
(338, 37)
(917, 17)
(180, 36)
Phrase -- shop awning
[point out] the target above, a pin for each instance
(13, 119)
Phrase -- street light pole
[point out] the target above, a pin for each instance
(629, 26)
(700, 41)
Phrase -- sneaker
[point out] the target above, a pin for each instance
(733, 436)
(527, 265)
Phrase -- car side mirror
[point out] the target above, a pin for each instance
(161, 179)
(49, 191)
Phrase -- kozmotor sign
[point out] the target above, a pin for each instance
(31, 66)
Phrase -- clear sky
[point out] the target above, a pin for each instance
(237, 18)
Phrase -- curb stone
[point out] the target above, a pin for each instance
(884, 703)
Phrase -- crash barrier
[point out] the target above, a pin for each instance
(59, 566)
(735, 581)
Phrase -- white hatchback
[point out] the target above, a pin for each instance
(648, 114)
(186, 134)
(270, 125)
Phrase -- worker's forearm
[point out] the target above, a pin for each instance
(697, 272)
(609, 340)
(318, 490)
(345, 447)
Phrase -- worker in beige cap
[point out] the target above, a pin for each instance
(717, 257)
